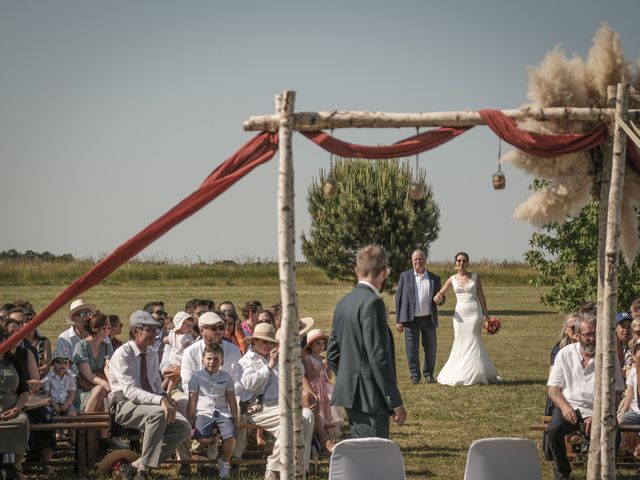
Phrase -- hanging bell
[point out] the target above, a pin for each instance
(330, 189)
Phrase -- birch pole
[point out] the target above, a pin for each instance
(289, 357)
(593, 464)
(610, 299)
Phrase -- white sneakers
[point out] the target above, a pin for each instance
(223, 468)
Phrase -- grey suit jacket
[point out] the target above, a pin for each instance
(362, 355)
(406, 296)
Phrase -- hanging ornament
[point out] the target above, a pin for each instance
(499, 180)
(330, 188)
(416, 192)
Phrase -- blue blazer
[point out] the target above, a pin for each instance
(406, 296)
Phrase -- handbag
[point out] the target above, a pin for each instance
(255, 405)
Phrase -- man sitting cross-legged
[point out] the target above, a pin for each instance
(138, 400)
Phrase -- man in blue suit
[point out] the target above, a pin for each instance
(417, 316)
(361, 352)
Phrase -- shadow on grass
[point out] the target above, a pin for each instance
(510, 313)
(523, 381)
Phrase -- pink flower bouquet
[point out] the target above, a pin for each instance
(492, 326)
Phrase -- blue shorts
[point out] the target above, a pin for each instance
(204, 426)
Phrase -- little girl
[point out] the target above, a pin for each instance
(329, 419)
(179, 338)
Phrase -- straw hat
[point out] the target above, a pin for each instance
(106, 464)
(314, 335)
(209, 319)
(77, 305)
(179, 319)
(264, 331)
(305, 325)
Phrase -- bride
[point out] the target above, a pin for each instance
(469, 362)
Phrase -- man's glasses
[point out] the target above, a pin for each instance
(84, 313)
(160, 313)
(149, 328)
(213, 327)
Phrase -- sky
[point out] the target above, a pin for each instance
(113, 112)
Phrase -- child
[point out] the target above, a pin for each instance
(179, 338)
(212, 403)
(328, 420)
(60, 384)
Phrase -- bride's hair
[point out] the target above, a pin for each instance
(466, 255)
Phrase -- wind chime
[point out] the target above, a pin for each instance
(416, 190)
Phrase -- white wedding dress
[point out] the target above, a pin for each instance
(469, 362)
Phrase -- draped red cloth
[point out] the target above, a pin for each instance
(404, 148)
(540, 144)
(255, 152)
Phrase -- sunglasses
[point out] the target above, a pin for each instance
(214, 327)
(149, 328)
(84, 314)
(60, 360)
(160, 313)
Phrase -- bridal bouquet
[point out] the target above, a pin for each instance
(492, 325)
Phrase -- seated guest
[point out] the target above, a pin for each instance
(41, 343)
(571, 388)
(623, 335)
(138, 400)
(629, 413)
(14, 425)
(116, 329)
(233, 331)
(276, 309)
(634, 309)
(60, 385)
(250, 313)
(91, 357)
(156, 309)
(212, 403)
(266, 316)
(635, 328)
(178, 339)
(260, 379)
(67, 340)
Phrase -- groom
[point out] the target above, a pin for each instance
(417, 315)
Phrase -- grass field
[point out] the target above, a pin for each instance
(443, 421)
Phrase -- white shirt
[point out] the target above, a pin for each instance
(124, 375)
(632, 381)
(192, 362)
(212, 391)
(375, 290)
(178, 343)
(424, 294)
(58, 387)
(576, 382)
(258, 379)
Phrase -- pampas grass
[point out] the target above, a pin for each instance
(560, 81)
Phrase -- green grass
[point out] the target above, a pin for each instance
(443, 421)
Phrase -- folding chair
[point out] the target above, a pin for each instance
(502, 459)
(366, 459)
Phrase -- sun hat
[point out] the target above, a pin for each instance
(305, 325)
(622, 317)
(140, 318)
(179, 319)
(60, 353)
(263, 331)
(312, 336)
(209, 319)
(77, 305)
(122, 456)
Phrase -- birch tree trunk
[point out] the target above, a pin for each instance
(610, 300)
(593, 465)
(289, 357)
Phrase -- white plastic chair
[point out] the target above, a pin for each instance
(366, 459)
(502, 459)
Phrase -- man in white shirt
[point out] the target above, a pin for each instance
(571, 388)
(260, 374)
(137, 398)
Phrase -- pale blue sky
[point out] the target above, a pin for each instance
(111, 112)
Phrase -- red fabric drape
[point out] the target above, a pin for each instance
(540, 144)
(257, 151)
(403, 148)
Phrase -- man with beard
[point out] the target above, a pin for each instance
(361, 353)
(571, 386)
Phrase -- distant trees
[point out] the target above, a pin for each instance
(368, 201)
(45, 256)
(566, 258)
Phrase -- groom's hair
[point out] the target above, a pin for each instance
(370, 261)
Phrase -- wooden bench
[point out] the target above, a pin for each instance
(86, 427)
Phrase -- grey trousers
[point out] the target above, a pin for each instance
(160, 438)
(269, 419)
(368, 424)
